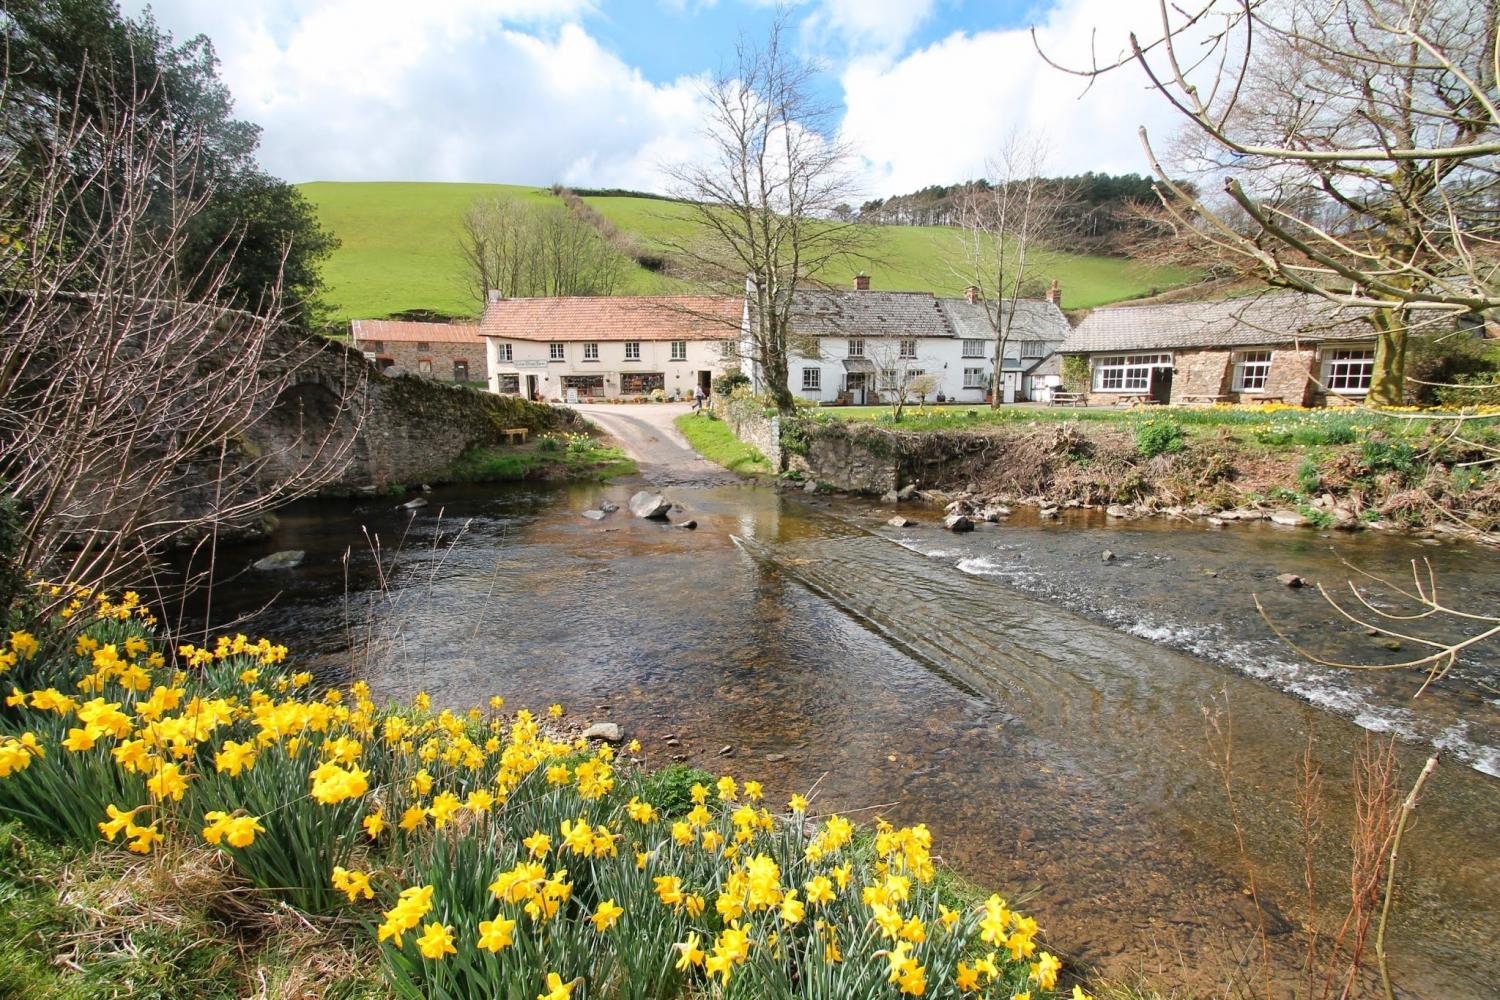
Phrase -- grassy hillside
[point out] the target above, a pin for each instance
(400, 251)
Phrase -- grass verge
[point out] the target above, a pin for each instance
(713, 439)
(503, 464)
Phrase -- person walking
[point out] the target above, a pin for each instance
(699, 399)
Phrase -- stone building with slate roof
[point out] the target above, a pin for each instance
(609, 346)
(1274, 347)
(449, 352)
(859, 346)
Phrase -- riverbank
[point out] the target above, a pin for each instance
(1332, 468)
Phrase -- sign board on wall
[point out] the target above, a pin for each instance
(572, 395)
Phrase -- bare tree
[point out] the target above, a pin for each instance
(125, 403)
(1361, 140)
(521, 249)
(765, 208)
(900, 375)
(1006, 227)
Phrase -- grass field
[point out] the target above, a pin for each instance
(399, 251)
(713, 439)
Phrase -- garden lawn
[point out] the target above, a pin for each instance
(712, 438)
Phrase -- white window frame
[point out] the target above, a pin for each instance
(856, 347)
(1252, 369)
(504, 353)
(974, 378)
(557, 351)
(679, 350)
(1347, 371)
(888, 379)
(907, 350)
(974, 348)
(1127, 372)
(632, 350)
(812, 379)
(591, 350)
(1033, 349)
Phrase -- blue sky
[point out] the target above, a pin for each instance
(605, 92)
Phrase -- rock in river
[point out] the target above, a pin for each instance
(958, 522)
(594, 515)
(652, 506)
(286, 559)
(1290, 580)
(606, 731)
(900, 522)
(1290, 517)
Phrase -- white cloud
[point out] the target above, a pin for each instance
(462, 90)
(937, 114)
(883, 24)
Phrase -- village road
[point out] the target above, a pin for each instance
(646, 431)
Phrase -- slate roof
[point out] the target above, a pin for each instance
(402, 332)
(820, 312)
(614, 317)
(1036, 319)
(1271, 318)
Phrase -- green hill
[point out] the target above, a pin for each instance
(399, 251)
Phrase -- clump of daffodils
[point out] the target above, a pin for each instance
(485, 856)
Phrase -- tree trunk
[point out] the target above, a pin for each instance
(1388, 374)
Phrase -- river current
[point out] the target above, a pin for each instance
(1046, 711)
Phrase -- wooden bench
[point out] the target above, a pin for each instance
(515, 435)
(1203, 398)
(1142, 399)
(1069, 399)
(1267, 399)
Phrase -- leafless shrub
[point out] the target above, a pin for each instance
(126, 406)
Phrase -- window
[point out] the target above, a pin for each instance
(973, 348)
(504, 353)
(1250, 370)
(591, 351)
(973, 378)
(679, 350)
(374, 345)
(555, 352)
(812, 379)
(460, 371)
(1033, 349)
(1127, 372)
(424, 365)
(510, 385)
(423, 345)
(632, 350)
(887, 378)
(856, 347)
(1346, 370)
(908, 348)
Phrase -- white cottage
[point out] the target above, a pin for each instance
(574, 348)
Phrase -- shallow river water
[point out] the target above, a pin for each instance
(1044, 711)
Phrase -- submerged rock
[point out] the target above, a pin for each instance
(1106, 556)
(1291, 580)
(689, 524)
(1115, 510)
(958, 523)
(907, 492)
(651, 506)
(286, 559)
(900, 522)
(594, 515)
(414, 504)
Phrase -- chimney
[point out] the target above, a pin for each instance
(971, 294)
(1054, 294)
(861, 282)
(495, 295)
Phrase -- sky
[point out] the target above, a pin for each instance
(605, 93)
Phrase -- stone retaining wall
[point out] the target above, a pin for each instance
(750, 424)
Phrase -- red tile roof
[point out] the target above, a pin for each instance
(614, 317)
(392, 330)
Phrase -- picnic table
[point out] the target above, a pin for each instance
(1069, 399)
(1204, 397)
(515, 435)
(1140, 399)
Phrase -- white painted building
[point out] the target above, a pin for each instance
(574, 348)
(861, 346)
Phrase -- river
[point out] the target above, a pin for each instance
(1045, 711)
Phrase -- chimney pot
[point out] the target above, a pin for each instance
(1054, 294)
(972, 294)
(495, 295)
(861, 282)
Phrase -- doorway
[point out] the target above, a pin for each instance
(531, 392)
(706, 383)
(1161, 385)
